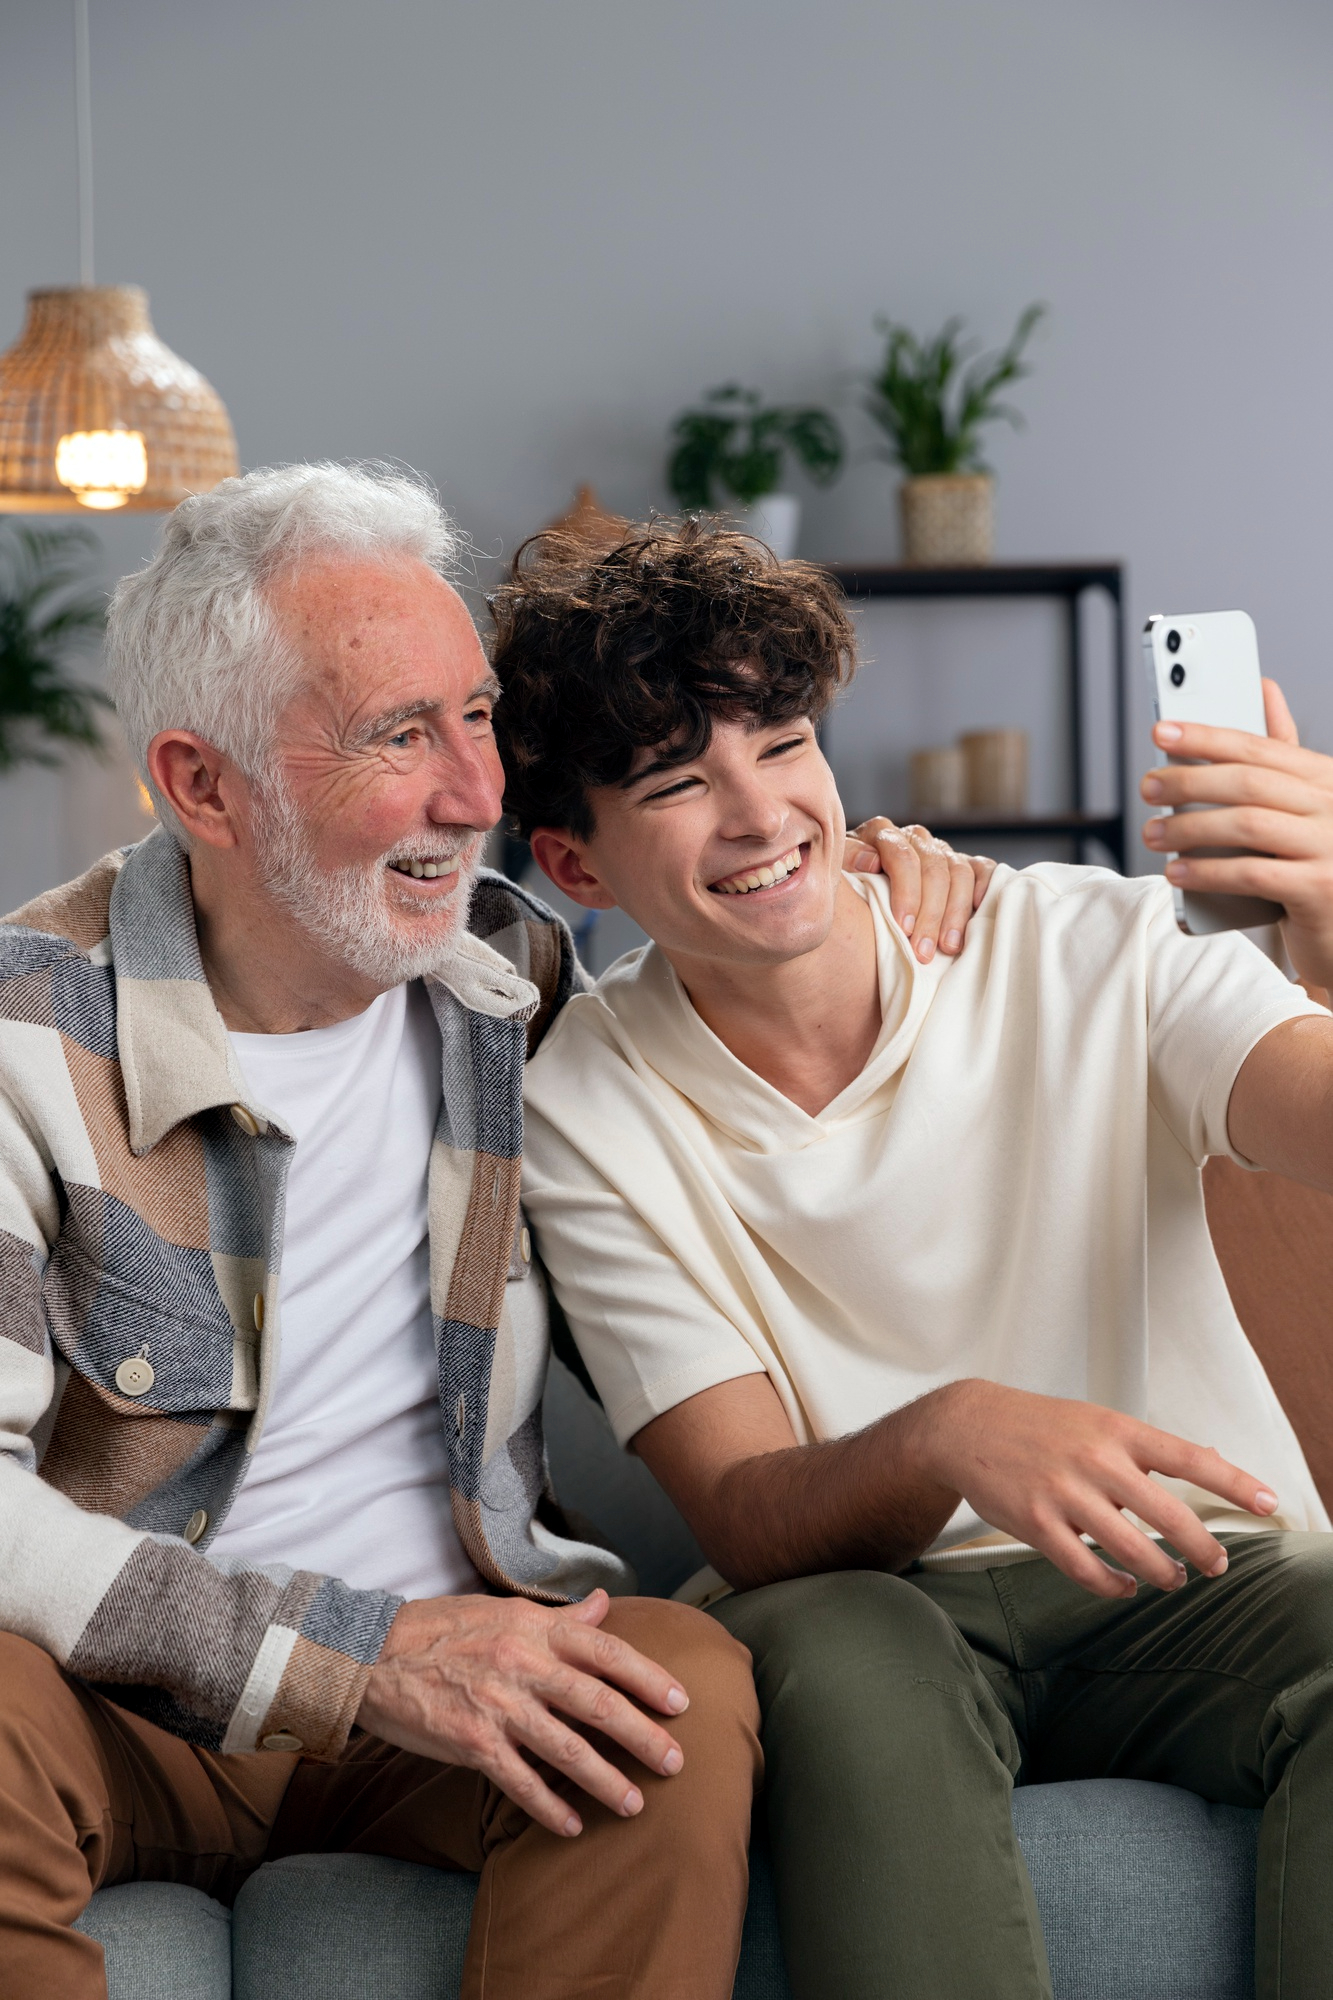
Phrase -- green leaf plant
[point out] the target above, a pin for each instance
(736, 445)
(932, 405)
(48, 609)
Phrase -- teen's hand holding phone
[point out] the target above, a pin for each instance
(1263, 793)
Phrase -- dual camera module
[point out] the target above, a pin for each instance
(1177, 671)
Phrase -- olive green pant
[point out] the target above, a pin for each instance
(899, 1711)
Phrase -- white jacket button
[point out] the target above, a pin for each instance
(247, 1121)
(282, 1739)
(196, 1524)
(135, 1377)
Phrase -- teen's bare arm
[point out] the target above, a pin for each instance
(1041, 1469)
(479, 1681)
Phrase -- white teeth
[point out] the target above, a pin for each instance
(430, 871)
(417, 870)
(762, 878)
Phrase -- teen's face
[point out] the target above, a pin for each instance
(735, 856)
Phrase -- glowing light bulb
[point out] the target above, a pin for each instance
(102, 468)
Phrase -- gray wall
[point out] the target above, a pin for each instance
(506, 242)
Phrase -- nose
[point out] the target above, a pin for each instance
(750, 811)
(469, 787)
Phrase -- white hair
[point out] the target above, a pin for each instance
(191, 640)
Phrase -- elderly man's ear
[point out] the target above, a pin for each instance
(201, 786)
(562, 859)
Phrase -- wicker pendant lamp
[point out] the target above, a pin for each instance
(94, 410)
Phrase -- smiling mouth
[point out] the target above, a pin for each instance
(420, 868)
(766, 876)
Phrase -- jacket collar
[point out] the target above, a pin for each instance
(175, 1054)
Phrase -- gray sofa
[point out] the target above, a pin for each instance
(1146, 1892)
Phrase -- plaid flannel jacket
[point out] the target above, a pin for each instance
(141, 1203)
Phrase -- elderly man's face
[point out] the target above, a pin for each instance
(385, 773)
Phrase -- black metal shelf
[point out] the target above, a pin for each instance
(1066, 582)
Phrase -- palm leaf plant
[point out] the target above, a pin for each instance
(48, 611)
(932, 398)
(734, 444)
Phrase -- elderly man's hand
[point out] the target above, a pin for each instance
(478, 1680)
(1263, 793)
(932, 891)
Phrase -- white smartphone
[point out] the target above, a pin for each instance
(1203, 666)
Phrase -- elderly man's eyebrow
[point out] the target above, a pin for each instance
(394, 718)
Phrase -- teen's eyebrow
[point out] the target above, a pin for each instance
(661, 763)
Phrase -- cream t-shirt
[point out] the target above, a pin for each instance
(1010, 1189)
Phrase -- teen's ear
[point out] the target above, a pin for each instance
(563, 861)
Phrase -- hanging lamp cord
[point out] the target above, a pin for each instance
(83, 118)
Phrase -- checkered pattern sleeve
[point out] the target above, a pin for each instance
(105, 1483)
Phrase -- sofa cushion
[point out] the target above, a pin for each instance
(347, 1926)
(1145, 1891)
(162, 1942)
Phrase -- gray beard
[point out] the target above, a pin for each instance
(349, 911)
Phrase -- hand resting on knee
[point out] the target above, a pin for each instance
(478, 1680)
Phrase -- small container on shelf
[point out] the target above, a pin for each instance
(997, 770)
(939, 781)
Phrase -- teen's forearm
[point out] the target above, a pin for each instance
(869, 1501)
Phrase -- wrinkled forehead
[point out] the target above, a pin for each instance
(364, 631)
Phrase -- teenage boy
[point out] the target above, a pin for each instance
(898, 1275)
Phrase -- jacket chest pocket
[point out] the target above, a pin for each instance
(140, 1319)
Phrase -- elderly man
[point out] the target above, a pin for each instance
(241, 1615)
(263, 1073)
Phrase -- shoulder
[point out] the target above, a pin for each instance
(534, 940)
(1052, 884)
(71, 921)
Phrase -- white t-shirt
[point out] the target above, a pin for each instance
(351, 1475)
(1010, 1189)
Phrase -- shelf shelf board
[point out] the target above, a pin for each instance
(979, 580)
(1078, 824)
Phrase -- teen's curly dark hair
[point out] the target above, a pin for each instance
(601, 652)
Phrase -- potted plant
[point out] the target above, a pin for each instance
(734, 447)
(48, 609)
(932, 399)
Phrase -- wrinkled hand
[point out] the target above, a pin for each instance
(478, 1680)
(932, 891)
(1047, 1471)
(1262, 792)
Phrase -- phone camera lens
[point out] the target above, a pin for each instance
(1173, 645)
(1177, 673)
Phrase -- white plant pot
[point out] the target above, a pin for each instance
(774, 520)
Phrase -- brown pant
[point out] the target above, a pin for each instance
(90, 1796)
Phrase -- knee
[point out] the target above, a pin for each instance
(838, 1631)
(687, 1642)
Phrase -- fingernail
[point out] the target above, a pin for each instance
(907, 923)
(864, 862)
(677, 1701)
(925, 951)
(573, 1824)
(633, 1802)
(953, 940)
(672, 1762)
(1265, 1502)
(1152, 832)
(1168, 732)
(1182, 1576)
(1152, 788)
(1219, 1568)
(1177, 871)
